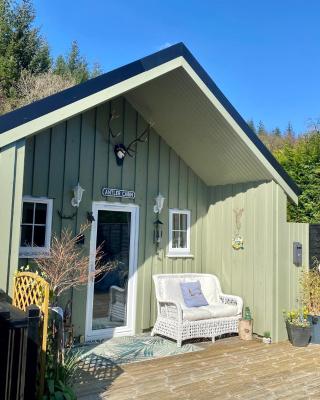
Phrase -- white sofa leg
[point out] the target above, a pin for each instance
(213, 339)
(152, 332)
(179, 342)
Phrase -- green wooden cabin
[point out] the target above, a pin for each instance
(221, 186)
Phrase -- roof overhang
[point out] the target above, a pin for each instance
(190, 113)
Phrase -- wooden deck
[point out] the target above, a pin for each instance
(227, 369)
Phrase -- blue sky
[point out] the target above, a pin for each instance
(264, 55)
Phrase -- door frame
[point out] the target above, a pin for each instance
(129, 328)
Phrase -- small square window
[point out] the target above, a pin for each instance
(179, 232)
(35, 227)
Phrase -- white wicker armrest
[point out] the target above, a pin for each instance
(230, 299)
(117, 294)
(114, 287)
(170, 309)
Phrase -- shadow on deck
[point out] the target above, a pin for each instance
(94, 376)
(227, 369)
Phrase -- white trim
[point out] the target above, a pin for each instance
(125, 86)
(129, 329)
(170, 255)
(226, 115)
(86, 103)
(37, 252)
(173, 251)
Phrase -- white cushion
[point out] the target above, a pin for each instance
(211, 311)
(169, 287)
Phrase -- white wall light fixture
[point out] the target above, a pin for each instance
(159, 201)
(77, 193)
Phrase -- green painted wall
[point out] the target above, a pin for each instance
(79, 150)
(286, 275)
(263, 272)
(11, 182)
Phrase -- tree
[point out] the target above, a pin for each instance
(26, 72)
(21, 45)
(73, 65)
(96, 70)
(261, 129)
(289, 133)
(276, 132)
(301, 159)
(67, 266)
(30, 87)
(252, 125)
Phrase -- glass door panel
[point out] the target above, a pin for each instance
(111, 287)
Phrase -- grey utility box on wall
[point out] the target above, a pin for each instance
(297, 254)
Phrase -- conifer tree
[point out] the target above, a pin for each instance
(74, 65)
(289, 134)
(276, 132)
(261, 129)
(21, 45)
(252, 125)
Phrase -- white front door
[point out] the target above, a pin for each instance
(111, 301)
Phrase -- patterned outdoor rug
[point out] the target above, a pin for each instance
(129, 349)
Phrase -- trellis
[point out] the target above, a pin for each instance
(30, 288)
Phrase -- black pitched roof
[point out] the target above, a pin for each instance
(78, 92)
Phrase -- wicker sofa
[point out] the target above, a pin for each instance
(176, 321)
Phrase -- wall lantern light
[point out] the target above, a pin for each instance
(159, 203)
(77, 193)
(157, 232)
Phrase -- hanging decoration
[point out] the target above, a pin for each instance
(237, 241)
(120, 149)
(157, 232)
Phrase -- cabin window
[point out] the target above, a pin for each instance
(179, 232)
(35, 227)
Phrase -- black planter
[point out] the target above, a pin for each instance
(315, 323)
(298, 336)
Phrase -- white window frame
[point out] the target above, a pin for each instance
(37, 252)
(179, 252)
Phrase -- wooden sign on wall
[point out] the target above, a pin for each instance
(111, 192)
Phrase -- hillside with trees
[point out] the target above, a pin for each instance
(28, 72)
(300, 157)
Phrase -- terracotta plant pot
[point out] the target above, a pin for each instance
(298, 336)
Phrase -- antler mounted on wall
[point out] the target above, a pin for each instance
(121, 149)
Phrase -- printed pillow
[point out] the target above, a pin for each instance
(192, 294)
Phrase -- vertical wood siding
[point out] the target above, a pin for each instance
(286, 276)
(11, 179)
(246, 272)
(263, 273)
(80, 150)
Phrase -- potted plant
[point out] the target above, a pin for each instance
(298, 327)
(310, 296)
(245, 325)
(266, 338)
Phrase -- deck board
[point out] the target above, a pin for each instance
(227, 369)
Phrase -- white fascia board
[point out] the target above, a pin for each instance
(63, 113)
(216, 103)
